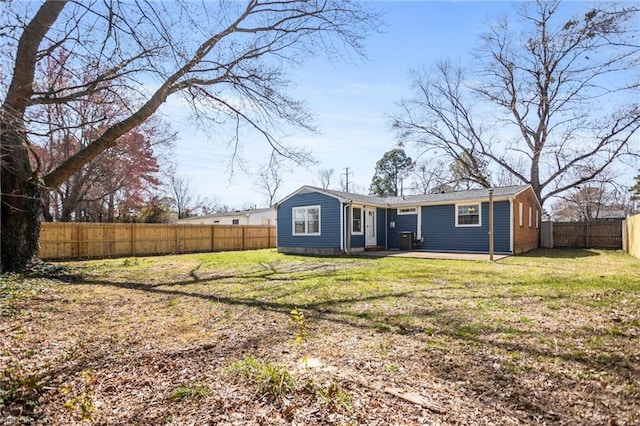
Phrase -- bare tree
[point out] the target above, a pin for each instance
(269, 181)
(227, 59)
(593, 200)
(555, 94)
(179, 191)
(325, 176)
(205, 206)
(429, 174)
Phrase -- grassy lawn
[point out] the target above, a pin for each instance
(550, 337)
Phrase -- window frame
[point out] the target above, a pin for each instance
(478, 205)
(537, 218)
(530, 217)
(306, 210)
(353, 220)
(411, 210)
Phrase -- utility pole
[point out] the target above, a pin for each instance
(346, 174)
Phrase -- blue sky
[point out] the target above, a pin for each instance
(351, 100)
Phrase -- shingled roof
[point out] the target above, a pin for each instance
(499, 193)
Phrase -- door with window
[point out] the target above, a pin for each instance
(370, 228)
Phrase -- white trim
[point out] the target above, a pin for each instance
(410, 210)
(419, 224)
(520, 214)
(537, 219)
(479, 204)
(374, 225)
(351, 218)
(306, 222)
(512, 225)
(342, 210)
(308, 189)
(530, 217)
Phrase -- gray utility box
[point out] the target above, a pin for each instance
(406, 240)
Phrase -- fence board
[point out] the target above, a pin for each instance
(98, 240)
(633, 235)
(587, 234)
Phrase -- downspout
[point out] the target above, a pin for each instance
(348, 227)
(342, 247)
(491, 236)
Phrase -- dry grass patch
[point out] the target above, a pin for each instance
(548, 337)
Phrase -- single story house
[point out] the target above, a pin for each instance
(322, 221)
(266, 216)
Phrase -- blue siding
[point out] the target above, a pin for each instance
(440, 232)
(404, 222)
(380, 227)
(357, 241)
(329, 222)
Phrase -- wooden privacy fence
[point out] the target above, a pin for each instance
(601, 234)
(97, 240)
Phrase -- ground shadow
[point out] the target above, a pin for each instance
(559, 253)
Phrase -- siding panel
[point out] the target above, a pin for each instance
(441, 234)
(380, 227)
(329, 222)
(404, 223)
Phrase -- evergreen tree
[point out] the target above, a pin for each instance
(635, 189)
(390, 169)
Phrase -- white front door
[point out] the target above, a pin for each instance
(370, 228)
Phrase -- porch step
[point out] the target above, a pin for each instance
(374, 248)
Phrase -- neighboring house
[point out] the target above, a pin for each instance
(240, 217)
(611, 214)
(322, 221)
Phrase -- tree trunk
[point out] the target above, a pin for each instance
(21, 202)
(20, 194)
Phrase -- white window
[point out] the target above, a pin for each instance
(530, 218)
(520, 214)
(537, 218)
(408, 210)
(468, 215)
(306, 220)
(356, 223)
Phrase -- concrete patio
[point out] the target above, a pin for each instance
(419, 254)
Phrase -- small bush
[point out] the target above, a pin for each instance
(300, 324)
(271, 380)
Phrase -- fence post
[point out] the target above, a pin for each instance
(586, 234)
(244, 237)
(78, 245)
(176, 247)
(132, 231)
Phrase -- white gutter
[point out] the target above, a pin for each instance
(419, 224)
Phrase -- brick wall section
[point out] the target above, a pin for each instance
(526, 237)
